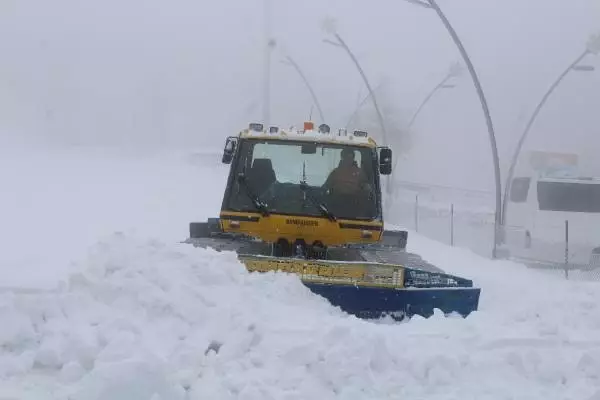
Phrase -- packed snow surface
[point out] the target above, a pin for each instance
(102, 302)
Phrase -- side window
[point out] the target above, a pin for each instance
(519, 190)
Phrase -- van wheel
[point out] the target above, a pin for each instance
(595, 258)
(527, 239)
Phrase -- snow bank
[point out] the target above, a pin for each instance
(144, 318)
(57, 201)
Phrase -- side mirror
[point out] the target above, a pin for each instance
(385, 161)
(229, 150)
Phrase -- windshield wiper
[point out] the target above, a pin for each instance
(256, 201)
(321, 206)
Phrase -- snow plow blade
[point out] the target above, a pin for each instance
(374, 290)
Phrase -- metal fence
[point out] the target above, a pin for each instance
(470, 225)
(557, 252)
(446, 223)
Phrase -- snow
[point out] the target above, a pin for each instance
(103, 302)
(58, 202)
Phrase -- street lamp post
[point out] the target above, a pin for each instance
(269, 46)
(432, 4)
(593, 47)
(330, 28)
(359, 106)
(290, 61)
(453, 72)
(443, 84)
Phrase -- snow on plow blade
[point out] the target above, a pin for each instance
(372, 290)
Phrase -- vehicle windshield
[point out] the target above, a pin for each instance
(569, 197)
(305, 178)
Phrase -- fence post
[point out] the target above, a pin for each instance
(567, 249)
(417, 213)
(452, 224)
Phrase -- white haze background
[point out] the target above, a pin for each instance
(181, 73)
(85, 84)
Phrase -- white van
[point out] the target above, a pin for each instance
(554, 220)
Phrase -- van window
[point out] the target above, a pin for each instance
(519, 190)
(569, 197)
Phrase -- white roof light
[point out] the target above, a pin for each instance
(256, 127)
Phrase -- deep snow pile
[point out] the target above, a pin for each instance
(140, 316)
(145, 319)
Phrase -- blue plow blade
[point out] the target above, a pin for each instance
(421, 293)
(372, 290)
(374, 303)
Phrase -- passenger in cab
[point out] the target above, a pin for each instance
(347, 178)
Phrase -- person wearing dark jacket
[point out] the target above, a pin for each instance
(347, 177)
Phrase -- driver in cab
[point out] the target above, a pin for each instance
(347, 178)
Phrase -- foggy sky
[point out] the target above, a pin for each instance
(150, 71)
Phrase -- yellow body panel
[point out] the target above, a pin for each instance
(328, 272)
(274, 227)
